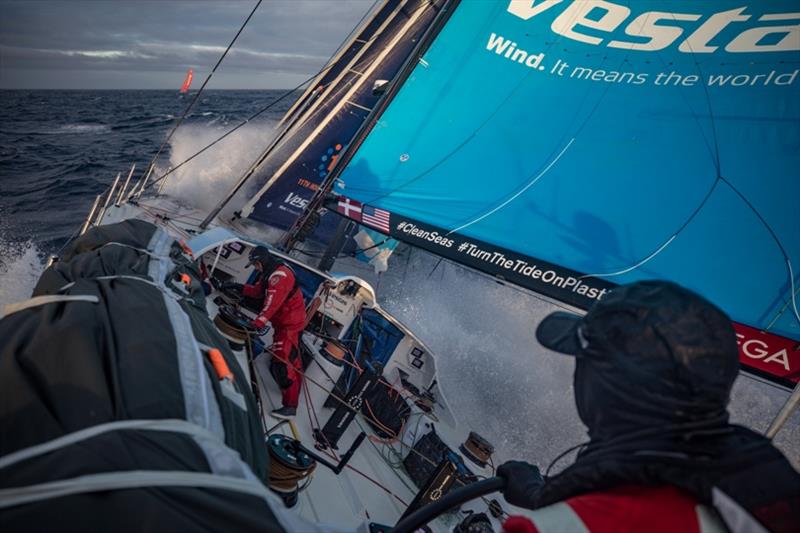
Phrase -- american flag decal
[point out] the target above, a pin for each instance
(375, 218)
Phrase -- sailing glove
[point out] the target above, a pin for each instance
(523, 481)
(258, 326)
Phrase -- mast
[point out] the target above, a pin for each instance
(317, 201)
(300, 112)
(336, 116)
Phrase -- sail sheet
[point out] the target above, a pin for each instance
(333, 110)
(571, 146)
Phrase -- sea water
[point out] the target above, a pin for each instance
(59, 149)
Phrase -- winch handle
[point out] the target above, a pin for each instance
(463, 494)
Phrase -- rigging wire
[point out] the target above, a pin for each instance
(223, 136)
(197, 94)
(328, 65)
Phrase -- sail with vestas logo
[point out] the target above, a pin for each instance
(568, 147)
(332, 110)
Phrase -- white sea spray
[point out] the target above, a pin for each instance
(20, 267)
(208, 177)
(497, 378)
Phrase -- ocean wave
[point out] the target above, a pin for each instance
(81, 128)
(7, 152)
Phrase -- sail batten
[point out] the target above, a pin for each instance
(619, 141)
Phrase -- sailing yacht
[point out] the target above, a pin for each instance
(187, 82)
(561, 147)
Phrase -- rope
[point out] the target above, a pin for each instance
(197, 95)
(332, 455)
(286, 94)
(285, 478)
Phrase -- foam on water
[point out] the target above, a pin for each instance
(501, 383)
(82, 128)
(496, 377)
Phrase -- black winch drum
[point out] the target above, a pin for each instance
(227, 322)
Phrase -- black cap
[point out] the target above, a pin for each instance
(651, 327)
(259, 254)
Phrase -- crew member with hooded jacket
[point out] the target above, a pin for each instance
(283, 306)
(655, 364)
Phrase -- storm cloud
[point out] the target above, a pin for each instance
(149, 44)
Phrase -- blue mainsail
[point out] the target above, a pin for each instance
(569, 146)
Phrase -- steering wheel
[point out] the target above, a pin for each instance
(463, 494)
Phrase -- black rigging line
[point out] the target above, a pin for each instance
(289, 92)
(197, 95)
(224, 135)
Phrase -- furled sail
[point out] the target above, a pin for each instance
(187, 82)
(568, 146)
(328, 115)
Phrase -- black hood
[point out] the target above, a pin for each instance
(649, 354)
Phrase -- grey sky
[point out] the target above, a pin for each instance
(149, 44)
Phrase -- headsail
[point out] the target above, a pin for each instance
(571, 146)
(330, 113)
(187, 82)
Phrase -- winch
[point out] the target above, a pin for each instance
(289, 466)
(230, 323)
(477, 449)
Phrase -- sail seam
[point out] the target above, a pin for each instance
(517, 195)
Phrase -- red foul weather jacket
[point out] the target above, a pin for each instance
(283, 300)
(627, 509)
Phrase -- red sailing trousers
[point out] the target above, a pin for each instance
(286, 360)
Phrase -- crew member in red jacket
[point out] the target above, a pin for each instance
(285, 308)
(654, 367)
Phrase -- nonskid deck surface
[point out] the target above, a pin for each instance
(373, 486)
